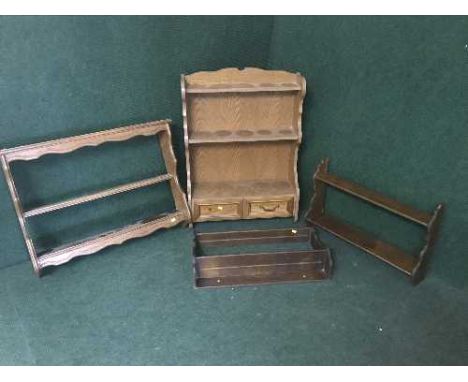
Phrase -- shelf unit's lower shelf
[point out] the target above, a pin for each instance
(384, 251)
(94, 244)
(242, 189)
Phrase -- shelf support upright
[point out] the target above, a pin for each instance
(20, 214)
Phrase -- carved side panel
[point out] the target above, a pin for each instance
(317, 203)
(298, 114)
(430, 239)
(170, 160)
(19, 213)
(186, 139)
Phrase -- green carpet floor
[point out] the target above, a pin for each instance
(135, 304)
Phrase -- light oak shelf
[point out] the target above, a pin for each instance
(243, 135)
(258, 89)
(242, 130)
(242, 189)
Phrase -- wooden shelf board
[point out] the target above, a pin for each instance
(261, 268)
(245, 135)
(243, 89)
(246, 189)
(384, 251)
(264, 267)
(69, 144)
(94, 244)
(278, 235)
(373, 197)
(96, 195)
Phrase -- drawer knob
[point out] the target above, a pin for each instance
(271, 208)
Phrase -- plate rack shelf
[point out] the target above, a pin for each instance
(242, 131)
(94, 244)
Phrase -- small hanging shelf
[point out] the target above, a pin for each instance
(263, 267)
(413, 266)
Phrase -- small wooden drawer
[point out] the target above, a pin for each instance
(270, 208)
(218, 210)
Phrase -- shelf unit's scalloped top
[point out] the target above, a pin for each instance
(243, 78)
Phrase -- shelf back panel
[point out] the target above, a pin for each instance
(242, 111)
(242, 162)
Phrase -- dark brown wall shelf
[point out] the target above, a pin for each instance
(260, 267)
(412, 265)
(91, 245)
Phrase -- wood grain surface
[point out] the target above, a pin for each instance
(242, 133)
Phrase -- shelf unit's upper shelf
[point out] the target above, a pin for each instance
(248, 80)
(244, 135)
(243, 89)
(358, 191)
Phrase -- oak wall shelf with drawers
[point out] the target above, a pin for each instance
(242, 131)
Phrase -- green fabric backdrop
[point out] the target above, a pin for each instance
(387, 102)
